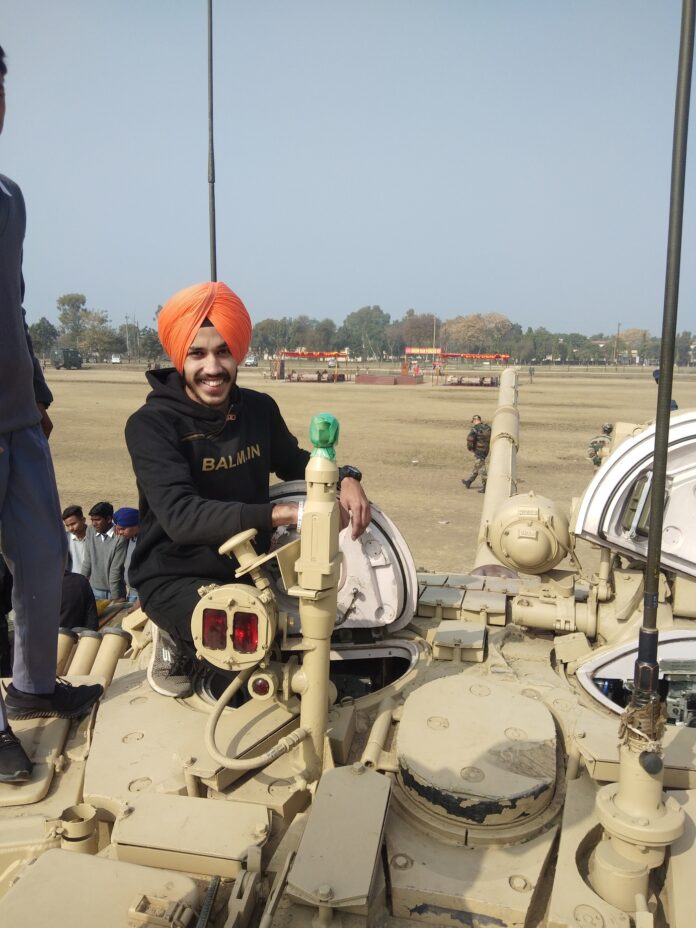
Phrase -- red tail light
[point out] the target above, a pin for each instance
(261, 686)
(245, 632)
(214, 629)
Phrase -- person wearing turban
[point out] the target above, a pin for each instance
(127, 525)
(203, 450)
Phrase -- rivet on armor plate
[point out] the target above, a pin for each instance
(516, 734)
(137, 786)
(588, 917)
(279, 786)
(472, 774)
(401, 862)
(480, 689)
(519, 883)
(133, 736)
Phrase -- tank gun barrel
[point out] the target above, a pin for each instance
(502, 465)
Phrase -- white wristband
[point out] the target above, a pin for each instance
(300, 511)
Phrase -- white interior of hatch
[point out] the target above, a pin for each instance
(618, 663)
(378, 586)
(614, 509)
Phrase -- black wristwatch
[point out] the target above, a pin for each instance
(349, 471)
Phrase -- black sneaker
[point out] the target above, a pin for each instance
(15, 766)
(467, 484)
(169, 671)
(65, 702)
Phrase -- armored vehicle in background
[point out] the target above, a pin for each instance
(69, 358)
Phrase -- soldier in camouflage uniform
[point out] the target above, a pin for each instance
(479, 442)
(595, 449)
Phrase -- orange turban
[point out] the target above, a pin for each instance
(184, 313)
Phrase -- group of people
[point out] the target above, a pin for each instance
(478, 442)
(102, 550)
(99, 556)
(96, 568)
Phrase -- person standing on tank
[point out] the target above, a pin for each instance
(478, 441)
(32, 539)
(203, 450)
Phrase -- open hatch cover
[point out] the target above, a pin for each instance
(615, 509)
(378, 585)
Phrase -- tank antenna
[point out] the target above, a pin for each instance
(211, 151)
(646, 668)
(638, 823)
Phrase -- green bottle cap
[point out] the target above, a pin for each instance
(323, 433)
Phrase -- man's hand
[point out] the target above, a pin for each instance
(46, 424)
(355, 506)
(284, 514)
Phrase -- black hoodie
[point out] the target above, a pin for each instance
(203, 476)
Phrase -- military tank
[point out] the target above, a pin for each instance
(381, 747)
(373, 746)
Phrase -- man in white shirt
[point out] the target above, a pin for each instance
(77, 529)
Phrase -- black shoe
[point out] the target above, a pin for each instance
(169, 671)
(15, 766)
(467, 483)
(482, 490)
(65, 702)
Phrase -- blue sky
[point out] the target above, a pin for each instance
(454, 157)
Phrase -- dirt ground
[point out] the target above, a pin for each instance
(408, 440)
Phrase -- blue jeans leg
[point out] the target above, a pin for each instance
(33, 542)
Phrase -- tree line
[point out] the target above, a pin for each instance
(367, 333)
(90, 331)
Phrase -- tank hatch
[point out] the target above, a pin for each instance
(378, 585)
(477, 753)
(615, 509)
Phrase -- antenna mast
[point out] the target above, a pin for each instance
(211, 151)
(646, 669)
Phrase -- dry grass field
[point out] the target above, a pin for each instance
(409, 441)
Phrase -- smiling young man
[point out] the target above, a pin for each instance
(203, 450)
